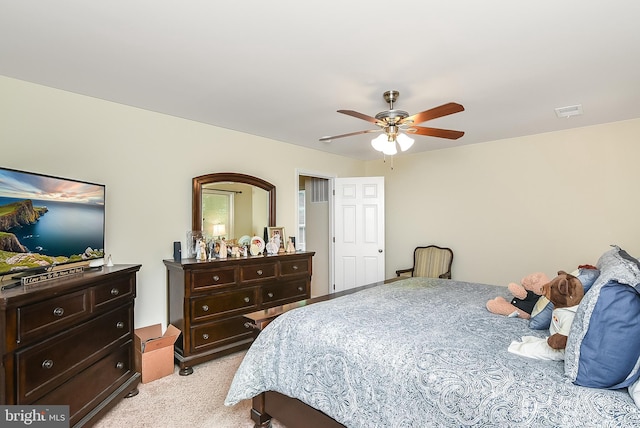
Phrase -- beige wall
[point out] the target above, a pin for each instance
(147, 161)
(512, 207)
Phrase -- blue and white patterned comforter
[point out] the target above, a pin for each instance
(420, 353)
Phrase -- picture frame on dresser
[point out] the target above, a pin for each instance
(275, 233)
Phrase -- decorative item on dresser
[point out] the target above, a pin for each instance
(69, 341)
(207, 300)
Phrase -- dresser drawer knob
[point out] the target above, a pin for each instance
(295, 267)
(115, 291)
(58, 311)
(205, 336)
(301, 288)
(120, 324)
(259, 271)
(270, 294)
(120, 365)
(216, 278)
(247, 300)
(47, 364)
(205, 308)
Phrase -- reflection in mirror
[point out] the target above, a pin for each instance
(232, 210)
(232, 205)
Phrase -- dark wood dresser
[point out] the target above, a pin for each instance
(207, 300)
(69, 341)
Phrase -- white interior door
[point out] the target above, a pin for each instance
(358, 232)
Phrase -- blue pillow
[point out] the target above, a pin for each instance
(587, 277)
(610, 349)
(542, 320)
(603, 349)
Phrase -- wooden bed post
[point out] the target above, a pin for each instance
(258, 412)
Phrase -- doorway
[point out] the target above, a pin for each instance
(314, 226)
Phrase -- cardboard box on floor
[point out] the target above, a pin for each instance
(154, 351)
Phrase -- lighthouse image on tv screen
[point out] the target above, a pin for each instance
(47, 221)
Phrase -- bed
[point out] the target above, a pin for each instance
(418, 352)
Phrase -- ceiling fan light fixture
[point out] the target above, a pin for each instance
(385, 143)
(379, 143)
(390, 148)
(404, 141)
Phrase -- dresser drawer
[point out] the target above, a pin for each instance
(83, 391)
(219, 333)
(212, 278)
(56, 313)
(294, 267)
(114, 291)
(257, 272)
(279, 294)
(224, 304)
(46, 365)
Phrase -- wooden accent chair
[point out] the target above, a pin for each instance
(430, 261)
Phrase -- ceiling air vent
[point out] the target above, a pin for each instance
(569, 111)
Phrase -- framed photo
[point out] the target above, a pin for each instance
(193, 238)
(277, 234)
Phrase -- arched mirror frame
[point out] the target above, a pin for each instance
(198, 182)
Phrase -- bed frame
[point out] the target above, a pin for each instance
(290, 411)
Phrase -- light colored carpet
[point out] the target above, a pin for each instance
(194, 401)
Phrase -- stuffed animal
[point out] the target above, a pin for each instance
(541, 314)
(565, 293)
(525, 296)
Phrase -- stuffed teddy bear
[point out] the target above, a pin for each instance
(565, 292)
(525, 296)
(541, 314)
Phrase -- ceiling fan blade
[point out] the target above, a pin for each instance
(359, 116)
(434, 113)
(435, 132)
(350, 134)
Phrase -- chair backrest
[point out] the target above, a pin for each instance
(432, 261)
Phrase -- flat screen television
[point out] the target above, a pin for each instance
(47, 221)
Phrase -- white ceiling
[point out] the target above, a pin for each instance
(280, 69)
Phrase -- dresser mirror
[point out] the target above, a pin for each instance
(232, 205)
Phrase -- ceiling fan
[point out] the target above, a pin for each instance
(393, 121)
